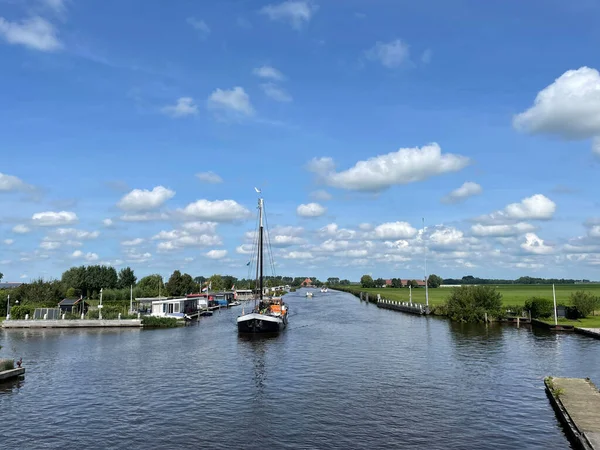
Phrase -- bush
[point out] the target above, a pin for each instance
(6, 364)
(159, 322)
(585, 302)
(540, 308)
(18, 312)
(514, 310)
(471, 303)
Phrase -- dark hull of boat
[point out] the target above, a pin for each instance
(255, 326)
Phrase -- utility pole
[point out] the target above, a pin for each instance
(426, 276)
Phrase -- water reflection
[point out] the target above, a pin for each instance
(10, 386)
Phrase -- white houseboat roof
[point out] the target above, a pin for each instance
(172, 300)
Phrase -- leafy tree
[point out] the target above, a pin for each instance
(200, 280)
(149, 286)
(126, 278)
(585, 302)
(396, 283)
(332, 281)
(174, 285)
(344, 282)
(216, 282)
(188, 285)
(379, 282)
(471, 303)
(1, 276)
(366, 281)
(433, 281)
(75, 277)
(539, 307)
(298, 281)
(71, 293)
(412, 283)
(39, 292)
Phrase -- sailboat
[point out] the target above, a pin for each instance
(270, 314)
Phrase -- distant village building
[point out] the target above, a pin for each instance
(73, 305)
(306, 283)
(420, 283)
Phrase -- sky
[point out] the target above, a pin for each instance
(382, 133)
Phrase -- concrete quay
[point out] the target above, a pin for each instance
(76, 323)
(577, 405)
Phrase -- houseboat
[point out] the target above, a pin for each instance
(179, 308)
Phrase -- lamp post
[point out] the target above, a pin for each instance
(8, 307)
(100, 306)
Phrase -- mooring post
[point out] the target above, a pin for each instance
(378, 298)
(485, 318)
(367, 297)
(517, 322)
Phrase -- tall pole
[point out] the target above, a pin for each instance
(100, 308)
(260, 244)
(8, 307)
(555, 315)
(426, 276)
(131, 298)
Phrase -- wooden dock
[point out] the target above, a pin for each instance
(76, 323)
(411, 308)
(577, 405)
(12, 373)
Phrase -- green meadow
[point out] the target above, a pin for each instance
(512, 294)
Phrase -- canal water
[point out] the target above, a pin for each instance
(344, 375)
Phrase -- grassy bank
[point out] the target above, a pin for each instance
(511, 294)
(587, 322)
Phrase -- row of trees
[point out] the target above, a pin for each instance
(470, 279)
(366, 281)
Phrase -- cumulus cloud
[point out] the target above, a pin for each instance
(20, 229)
(468, 189)
(9, 241)
(216, 254)
(276, 92)
(72, 235)
(233, 101)
(446, 237)
(209, 177)
(244, 249)
(200, 227)
(502, 230)
(390, 54)
(394, 230)
(132, 242)
(36, 33)
(52, 219)
(297, 13)
(10, 183)
(533, 244)
(144, 200)
(185, 106)
(145, 217)
(50, 245)
(311, 210)
(107, 223)
(333, 230)
(536, 207)
(78, 254)
(215, 211)
(407, 165)
(269, 73)
(569, 107)
(298, 255)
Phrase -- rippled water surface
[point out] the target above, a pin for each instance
(343, 375)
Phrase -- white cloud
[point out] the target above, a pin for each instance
(285, 241)
(536, 207)
(298, 255)
(501, 230)
(209, 177)
(216, 254)
(297, 13)
(133, 257)
(35, 33)
(365, 226)
(394, 230)
(185, 106)
(133, 242)
(268, 72)
(569, 107)
(58, 6)
(144, 200)
(146, 217)
(52, 219)
(199, 25)
(200, 227)
(234, 101)
(594, 231)
(23, 276)
(217, 211)
(446, 236)
(321, 195)
(533, 244)
(177, 239)
(9, 241)
(20, 229)
(276, 93)
(10, 183)
(78, 254)
(244, 249)
(468, 189)
(50, 245)
(107, 222)
(390, 54)
(311, 210)
(71, 233)
(407, 165)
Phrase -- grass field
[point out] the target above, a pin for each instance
(588, 322)
(511, 294)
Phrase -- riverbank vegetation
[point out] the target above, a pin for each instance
(159, 322)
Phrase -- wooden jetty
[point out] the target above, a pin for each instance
(77, 323)
(577, 405)
(411, 308)
(12, 373)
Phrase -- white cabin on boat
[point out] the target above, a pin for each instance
(174, 307)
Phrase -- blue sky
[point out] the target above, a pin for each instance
(133, 133)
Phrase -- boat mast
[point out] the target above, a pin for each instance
(260, 245)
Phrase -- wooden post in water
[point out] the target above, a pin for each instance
(485, 318)
(555, 315)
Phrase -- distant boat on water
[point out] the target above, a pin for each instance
(309, 294)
